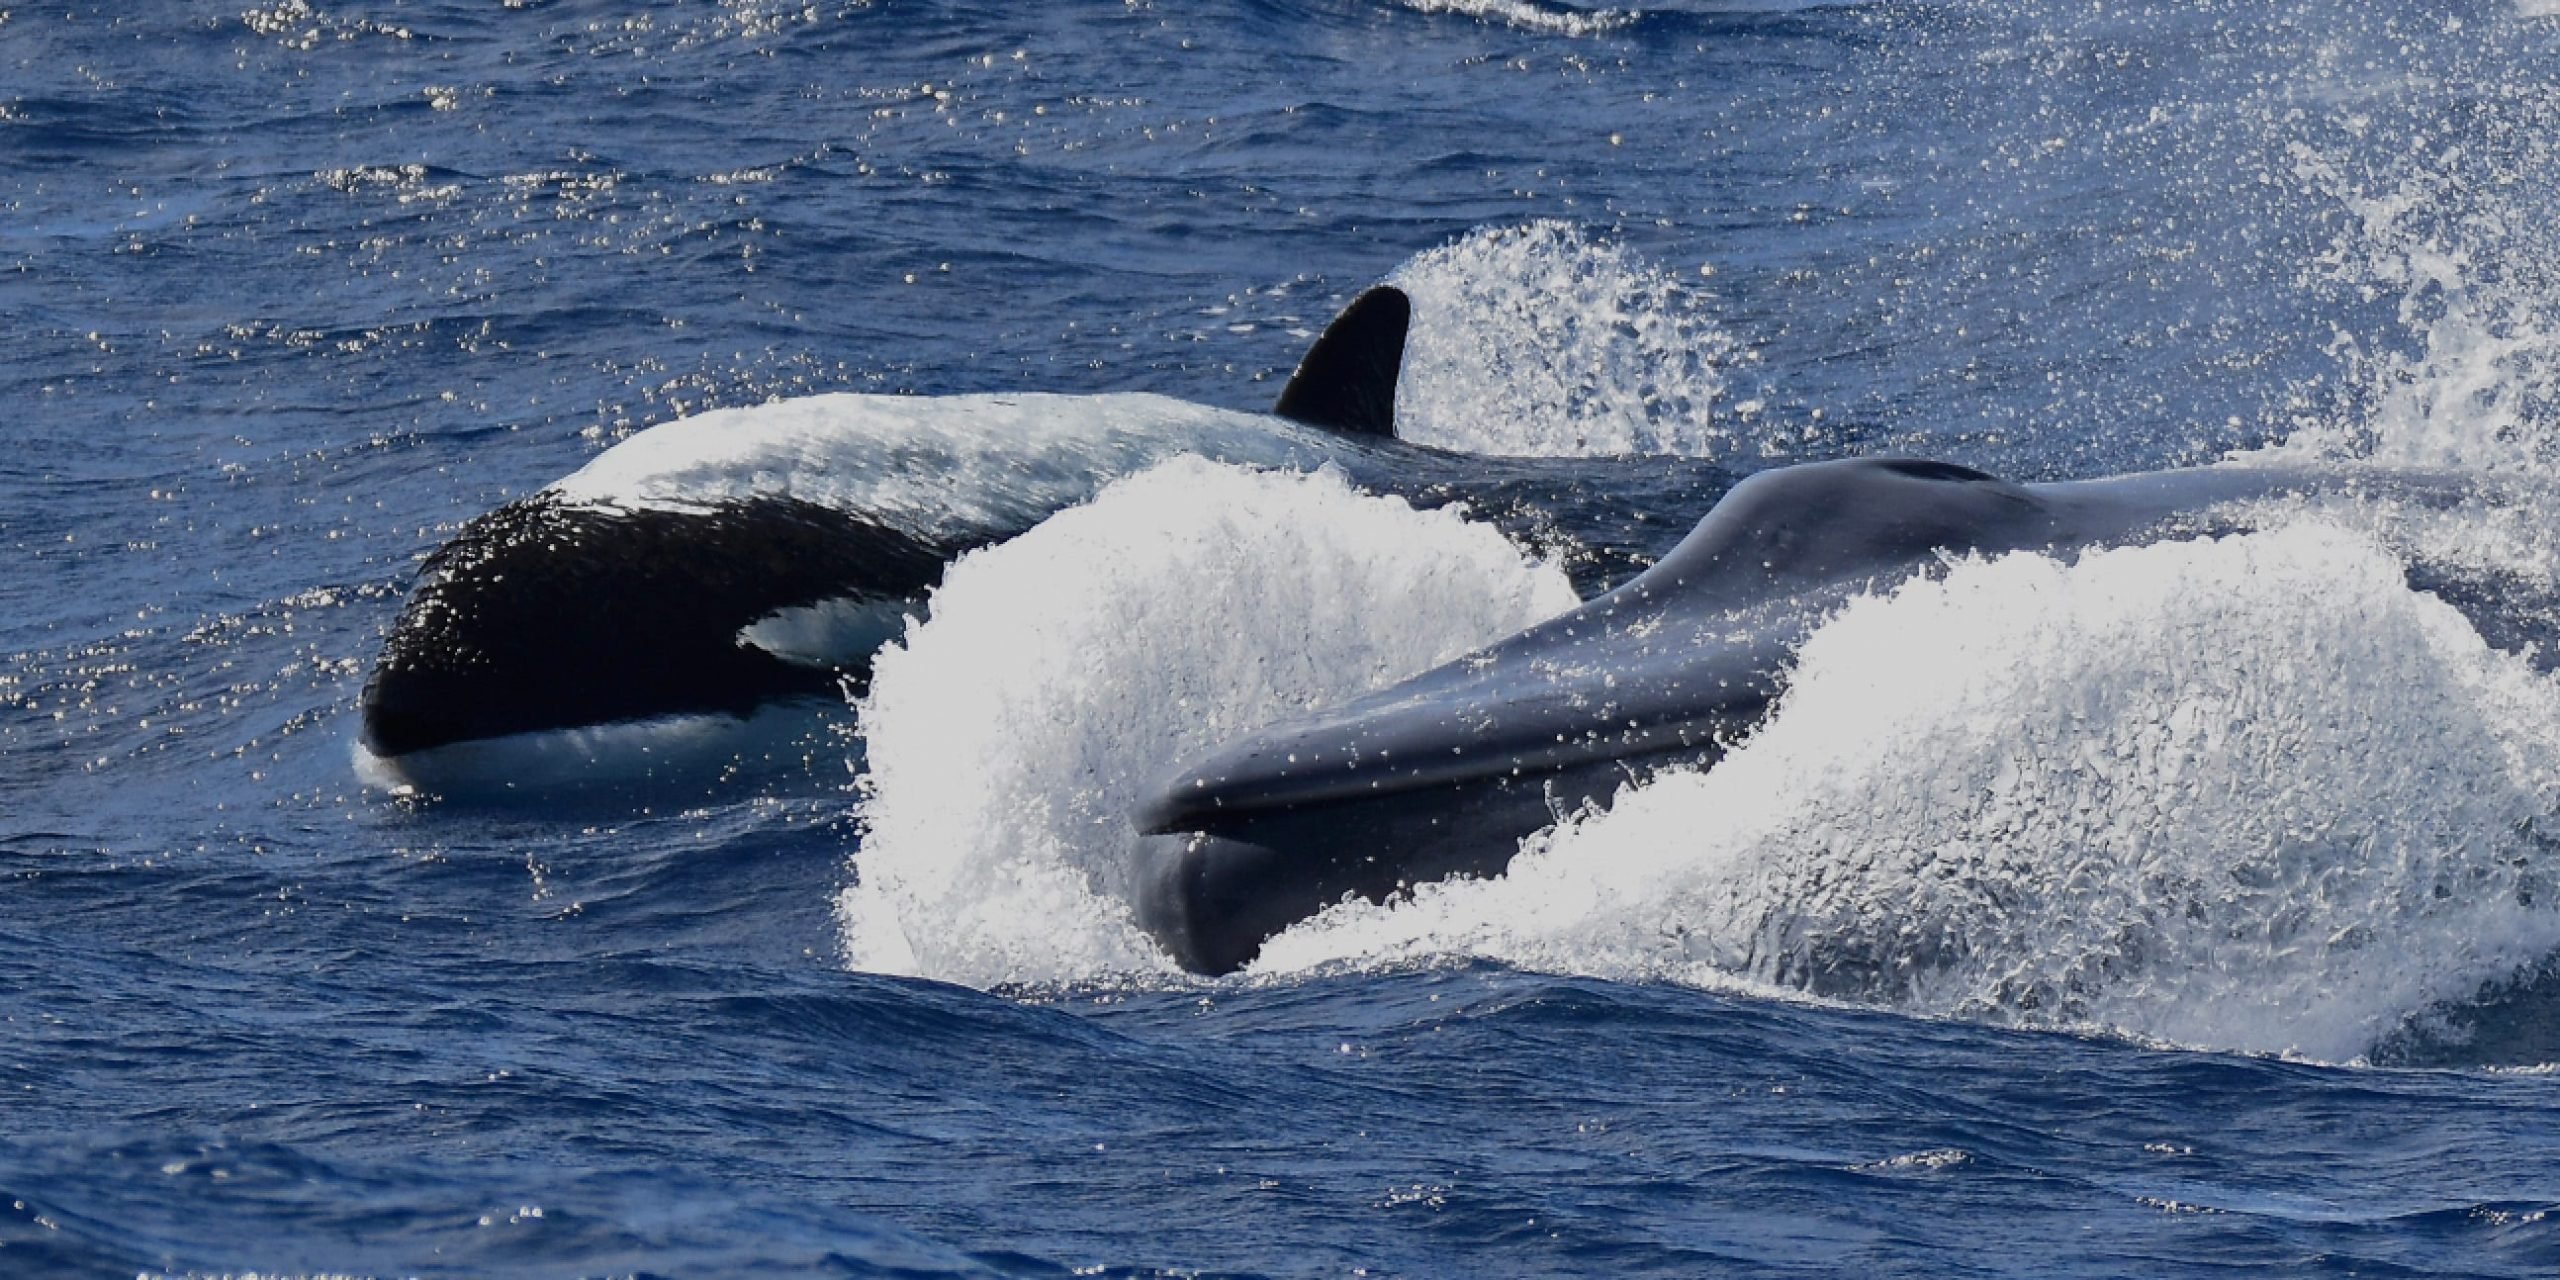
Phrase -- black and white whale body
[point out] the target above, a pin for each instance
(549, 613)
(1443, 774)
(721, 566)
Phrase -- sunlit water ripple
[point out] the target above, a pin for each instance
(297, 289)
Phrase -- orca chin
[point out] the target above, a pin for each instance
(642, 760)
(1444, 774)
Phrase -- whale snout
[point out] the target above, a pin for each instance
(1208, 900)
(1213, 885)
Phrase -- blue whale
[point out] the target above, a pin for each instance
(1443, 774)
(719, 566)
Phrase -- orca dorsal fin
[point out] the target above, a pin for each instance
(1347, 382)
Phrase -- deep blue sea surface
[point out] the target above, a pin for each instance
(294, 290)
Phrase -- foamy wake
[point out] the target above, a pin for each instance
(2248, 794)
(1538, 339)
(1524, 15)
(930, 465)
(1066, 671)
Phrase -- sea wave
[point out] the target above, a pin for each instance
(2249, 793)
(1066, 671)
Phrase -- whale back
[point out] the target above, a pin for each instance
(1675, 662)
(1804, 526)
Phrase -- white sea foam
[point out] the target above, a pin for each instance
(2475, 382)
(2464, 379)
(2250, 794)
(2455, 227)
(1546, 19)
(927, 463)
(1066, 671)
(1528, 340)
(1539, 340)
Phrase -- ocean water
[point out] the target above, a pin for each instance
(2187, 909)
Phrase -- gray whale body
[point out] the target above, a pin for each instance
(1443, 774)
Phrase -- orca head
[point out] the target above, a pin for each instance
(549, 614)
(568, 609)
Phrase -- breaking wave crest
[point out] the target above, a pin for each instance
(2246, 794)
(1066, 671)
(1526, 15)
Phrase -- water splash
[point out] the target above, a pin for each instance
(1064, 672)
(1537, 339)
(2248, 794)
(2443, 244)
(2471, 379)
(1523, 15)
(928, 465)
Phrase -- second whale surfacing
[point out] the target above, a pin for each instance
(1442, 775)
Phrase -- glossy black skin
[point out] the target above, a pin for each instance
(1443, 774)
(544, 614)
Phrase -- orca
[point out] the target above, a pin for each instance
(1442, 775)
(713, 569)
